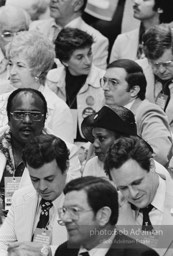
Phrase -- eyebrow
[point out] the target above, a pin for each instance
(131, 184)
(47, 177)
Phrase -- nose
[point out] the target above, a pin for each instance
(96, 143)
(136, 1)
(27, 118)
(88, 60)
(161, 68)
(133, 192)
(12, 70)
(106, 86)
(42, 185)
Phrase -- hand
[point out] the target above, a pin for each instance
(24, 249)
(171, 88)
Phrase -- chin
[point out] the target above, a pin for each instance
(17, 85)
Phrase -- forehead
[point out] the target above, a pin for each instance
(117, 73)
(13, 23)
(166, 56)
(48, 169)
(82, 51)
(128, 173)
(16, 57)
(76, 198)
(101, 131)
(27, 100)
(148, 2)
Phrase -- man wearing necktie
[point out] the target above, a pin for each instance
(31, 226)
(90, 213)
(158, 45)
(146, 197)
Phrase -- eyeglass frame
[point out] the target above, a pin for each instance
(27, 113)
(111, 82)
(8, 38)
(165, 64)
(73, 215)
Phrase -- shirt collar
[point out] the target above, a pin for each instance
(73, 23)
(58, 202)
(159, 199)
(102, 248)
(129, 105)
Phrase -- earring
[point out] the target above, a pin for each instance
(36, 78)
(160, 10)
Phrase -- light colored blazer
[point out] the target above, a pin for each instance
(125, 46)
(91, 88)
(99, 47)
(154, 88)
(126, 216)
(152, 126)
(18, 225)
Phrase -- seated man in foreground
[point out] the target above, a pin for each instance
(147, 198)
(31, 224)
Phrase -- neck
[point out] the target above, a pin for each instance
(16, 145)
(151, 22)
(100, 235)
(63, 22)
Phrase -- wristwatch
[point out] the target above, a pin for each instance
(45, 250)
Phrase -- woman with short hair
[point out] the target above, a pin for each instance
(77, 80)
(30, 57)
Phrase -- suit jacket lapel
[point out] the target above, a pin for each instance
(27, 211)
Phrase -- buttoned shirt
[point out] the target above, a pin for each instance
(156, 214)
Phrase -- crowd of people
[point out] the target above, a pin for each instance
(86, 128)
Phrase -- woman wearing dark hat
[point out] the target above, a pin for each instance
(102, 129)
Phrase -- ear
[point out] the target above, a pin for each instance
(103, 216)
(152, 165)
(134, 91)
(77, 5)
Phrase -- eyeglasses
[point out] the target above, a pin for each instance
(111, 82)
(74, 213)
(21, 115)
(8, 35)
(156, 66)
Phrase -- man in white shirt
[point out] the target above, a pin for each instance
(129, 45)
(147, 197)
(68, 13)
(32, 222)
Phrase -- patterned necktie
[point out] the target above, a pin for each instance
(146, 225)
(44, 215)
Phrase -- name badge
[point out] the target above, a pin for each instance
(162, 100)
(88, 111)
(11, 185)
(42, 236)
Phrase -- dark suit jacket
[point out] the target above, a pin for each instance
(122, 246)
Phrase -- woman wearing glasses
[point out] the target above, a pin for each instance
(77, 81)
(30, 57)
